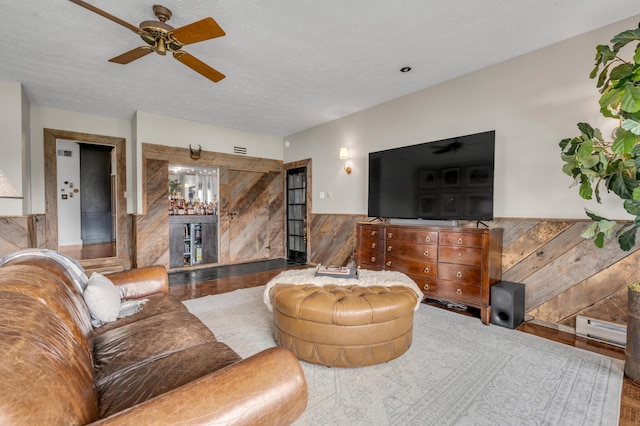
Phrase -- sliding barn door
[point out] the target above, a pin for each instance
(248, 215)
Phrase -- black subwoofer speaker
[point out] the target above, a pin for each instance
(507, 304)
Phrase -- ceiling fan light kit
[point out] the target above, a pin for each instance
(160, 37)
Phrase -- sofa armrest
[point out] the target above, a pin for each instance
(141, 282)
(268, 388)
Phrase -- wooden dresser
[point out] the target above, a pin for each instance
(453, 264)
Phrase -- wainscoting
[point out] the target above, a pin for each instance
(565, 275)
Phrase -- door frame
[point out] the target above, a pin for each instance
(122, 259)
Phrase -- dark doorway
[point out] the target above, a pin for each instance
(297, 215)
(96, 207)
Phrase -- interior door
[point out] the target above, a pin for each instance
(248, 215)
(297, 215)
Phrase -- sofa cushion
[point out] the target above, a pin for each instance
(102, 298)
(47, 287)
(47, 376)
(156, 304)
(146, 380)
(122, 348)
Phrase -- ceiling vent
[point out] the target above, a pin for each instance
(240, 150)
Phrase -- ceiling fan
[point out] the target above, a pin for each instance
(161, 37)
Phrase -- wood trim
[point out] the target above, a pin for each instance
(123, 240)
(182, 156)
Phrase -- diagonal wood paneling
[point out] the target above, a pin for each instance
(249, 211)
(564, 274)
(333, 238)
(152, 228)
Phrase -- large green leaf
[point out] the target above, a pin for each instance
(627, 239)
(621, 72)
(625, 142)
(632, 207)
(585, 190)
(593, 215)
(624, 38)
(590, 231)
(631, 125)
(610, 99)
(630, 100)
(585, 149)
(599, 240)
(587, 130)
(590, 161)
(622, 185)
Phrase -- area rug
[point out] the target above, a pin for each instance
(457, 372)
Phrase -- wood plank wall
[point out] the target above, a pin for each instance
(151, 233)
(565, 275)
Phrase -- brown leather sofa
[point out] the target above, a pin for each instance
(159, 366)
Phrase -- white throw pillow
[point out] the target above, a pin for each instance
(102, 298)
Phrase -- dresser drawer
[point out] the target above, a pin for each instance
(460, 255)
(427, 285)
(415, 251)
(369, 243)
(464, 239)
(449, 290)
(411, 267)
(411, 235)
(460, 273)
(371, 231)
(370, 260)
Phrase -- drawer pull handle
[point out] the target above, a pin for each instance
(426, 287)
(426, 253)
(458, 292)
(389, 263)
(459, 255)
(390, 235)
(373, 245)
(427, 270)
(459, 240)
(374, 233)
(389, 248)
(459, 274)
(373, 259)
(427, 239)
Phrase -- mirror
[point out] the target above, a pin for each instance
(193, 190)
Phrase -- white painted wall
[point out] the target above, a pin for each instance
(11, 143)
(69, 217)
(144, 127)
(532, 102)
(51, 118)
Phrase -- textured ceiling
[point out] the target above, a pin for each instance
(290, 64)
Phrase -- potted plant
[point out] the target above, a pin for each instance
(594, 162)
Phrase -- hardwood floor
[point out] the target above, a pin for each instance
(630, 398)
(89, 251)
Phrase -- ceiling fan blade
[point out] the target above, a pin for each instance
(106, 15)
(198, 66)
(201, 30)
(132, 55)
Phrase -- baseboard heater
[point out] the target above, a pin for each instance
(602, 331)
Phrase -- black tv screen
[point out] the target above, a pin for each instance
(449, 179)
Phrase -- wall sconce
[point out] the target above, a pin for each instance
(344, 155)
(6, 188)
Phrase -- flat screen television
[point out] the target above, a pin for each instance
(449, 179)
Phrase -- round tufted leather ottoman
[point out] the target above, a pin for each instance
(343, 326)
